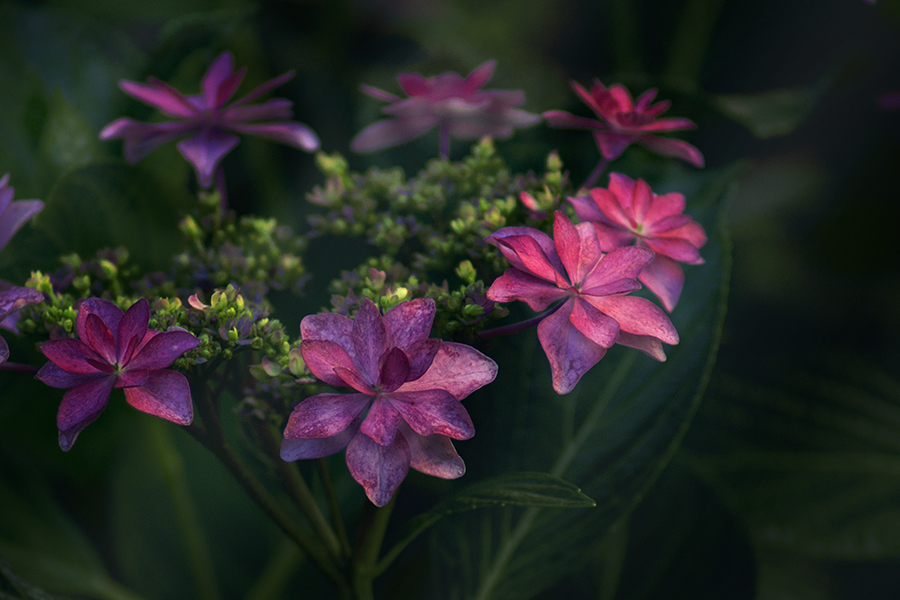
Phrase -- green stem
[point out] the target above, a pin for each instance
(333, 505)
(372, 527)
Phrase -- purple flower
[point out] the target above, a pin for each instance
(624, 121)
(628, 213)
(116, 350)
(596, 313)
(456, 105)
(12, 299)
(407, 405)
(207, 120)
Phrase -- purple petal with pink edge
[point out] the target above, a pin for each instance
(131, 331)
(691, 232)
(379, 469)
(379, 94)
(53, 376)
(215, 77)
(290, 133)
(598, 92)
(324, 415)
(204, 150)
(479, 76)
(433, 455)
(665, 205)
(612, 145)
(327, 326)
(409, 322)
(322, 357)
(564, 120)
(641, 199)
(6, 193)
(300, 449)
(392, 132)
(620, 264)
(166, 394)
(666, 225)
(586, 208)
(352, 378)
(570, 353)
(660, 125)
(74, 356)
(665, 278)
(637, 315)
(368, 340)
(4, 350)
(674, 248)
(458, 369)
(99, 338)
(611, 206)
(519, 285)
(415, 108)
(421, 354)
(650, 346)
(413, 84)
(80, 406)
(108, 312)
(676, 148)
(622, 186)
(596, 326)
(127, 379)
(162, 350)
(645, 99)
(577, 245)
(534, 260)
(14, 298)
(381, 422)
(394, 370)
(164, 97)
(263, 89)
(274, 109)
(16, 215)
(431, 412)
(143, 138)
(543, 240)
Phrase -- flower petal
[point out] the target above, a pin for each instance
(596, 326)
(300, 448)
(409, 322)
(392, 132)
(616, 272)
(108, 312)
(677, 148)
(421, 354)
(368, 341)
(143, 138)
(637, 315)
(74, 356)
(433, 455)
(430, 412)
(100, 339)
(322, 357)
(131, 331)
(560, 118)
(327, 326)
(519, 285)
(577, 246)
(4, 350)
(80, 406)
(665, 278)
(204, 150)
(324, 415)
(162, 96)
(53, 376)
(570, 353)
(219, 81)
(162, 350)
(394, 370)
(458, 369)
(379, 469)
(478, 77)
(650, 346)
(382, 421)
(544, 241)
(166, 394)
(16, 215)
(291, 133)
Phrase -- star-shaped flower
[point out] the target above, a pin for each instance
(628, 213)
(596, 313)
(407, 406)
(207, 120)
(116, 350)
(456, 105)
(624, 122)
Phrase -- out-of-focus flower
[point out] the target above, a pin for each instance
(889, 101)
(116, 350)
(596, 313)
(630, 213)
(456, 105)
(624, 122)
(207, 120)
(12, 297)
(407, 406)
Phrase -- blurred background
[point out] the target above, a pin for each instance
(788, 484)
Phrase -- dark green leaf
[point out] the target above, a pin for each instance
(13, 587)
(772, 113)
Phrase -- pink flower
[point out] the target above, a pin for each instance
(623, 122)
(407, 406)
(628, 213)
(116, 350)
(596, 313)
(456, 105)
(207, 120)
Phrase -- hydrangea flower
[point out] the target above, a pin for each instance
(624, 121)
(596, 313)
(628, 213)
(407, 404)
(456, 105)
(116, 350)
(207, 120)
(12, 297)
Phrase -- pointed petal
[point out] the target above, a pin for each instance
(458, 369)
(413, 84)
(4, 350)
(675, 248)
(324, 415)
(128, 379)
(612, 145)
(394, 370)
(578, 247)
(291, 133)
(379, 469)
(665, 205)
(219, 82)
(166, 394)
(637, 315)
(620, 264)
(612, 207)
(379, 94)
(479, 76)
(162, 350)
(108, 312)
(16, 215)
(100, 339)
(569, 352)
(433, 455)
(392, 132)
(519, 285)
(650, 346)
(382, 421)
(665, 278)
(263, 89)
(533, 258)
(564, 120)
(586, 208)
(80, 406)
(53, 376)
(143, 138)
(542, 239)
(596, 326)
(352, 378)
(204, 150)
(322, 357)
(431, 412)
(409, 322)
(677, 148)
(274, 109)
(164, 97)
(421, 354)
(300, 448)
(74, 356)
(131, 331)
(368, 341)
(327, 326)
(14, 298)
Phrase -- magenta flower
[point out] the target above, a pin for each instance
(596, 313)
(116, 350)
(207, 120)
(624, 122)
(407, 406)
(455, 105)
(630, 213)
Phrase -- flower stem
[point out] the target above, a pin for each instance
(220, 187)
(596, 173)
(18, 368)
(444, 147)
(333, 505)
(373, 524)
(517, 327)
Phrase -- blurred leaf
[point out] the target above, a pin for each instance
(13, 587)
(811, 457)
(612, 437)
(772, 113)
(67, 139)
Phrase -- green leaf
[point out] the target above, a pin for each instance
(13, 587)
(67, 139)
(772, 113)
(612, 437)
